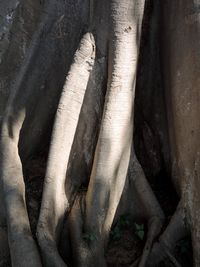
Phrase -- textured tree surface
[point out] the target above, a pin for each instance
(99, 128)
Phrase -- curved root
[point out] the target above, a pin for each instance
(55, 201)
(165, 246)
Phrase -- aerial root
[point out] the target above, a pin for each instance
(164, 247)
(152, 210)
(75, 221)
(154, 227)
(22, 246)
(21, 243)
(55, 202)
(85, 246)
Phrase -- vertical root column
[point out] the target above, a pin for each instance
(151, 210)
(175, 231)
(55, 201)
(114, 143)
(22, 246)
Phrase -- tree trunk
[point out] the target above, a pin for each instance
(83, 90)
(181, 65)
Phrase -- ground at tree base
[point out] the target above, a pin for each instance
(125, 246)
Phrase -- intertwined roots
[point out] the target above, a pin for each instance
(116, 174)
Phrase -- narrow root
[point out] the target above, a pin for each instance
(55, 201)
(154, 227)
(175, 231)
(151, 208)
(21, 243)
(113, 149)
(85, 246)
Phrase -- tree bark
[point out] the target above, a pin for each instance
(83, 84)
(181, 65)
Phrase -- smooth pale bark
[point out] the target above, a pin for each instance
(29, 58)
(55, 201)
(91, 223)
(19, 233)
(15, 42)
(181, 61)
(32, 106)
(12, 171)
(114, 144)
